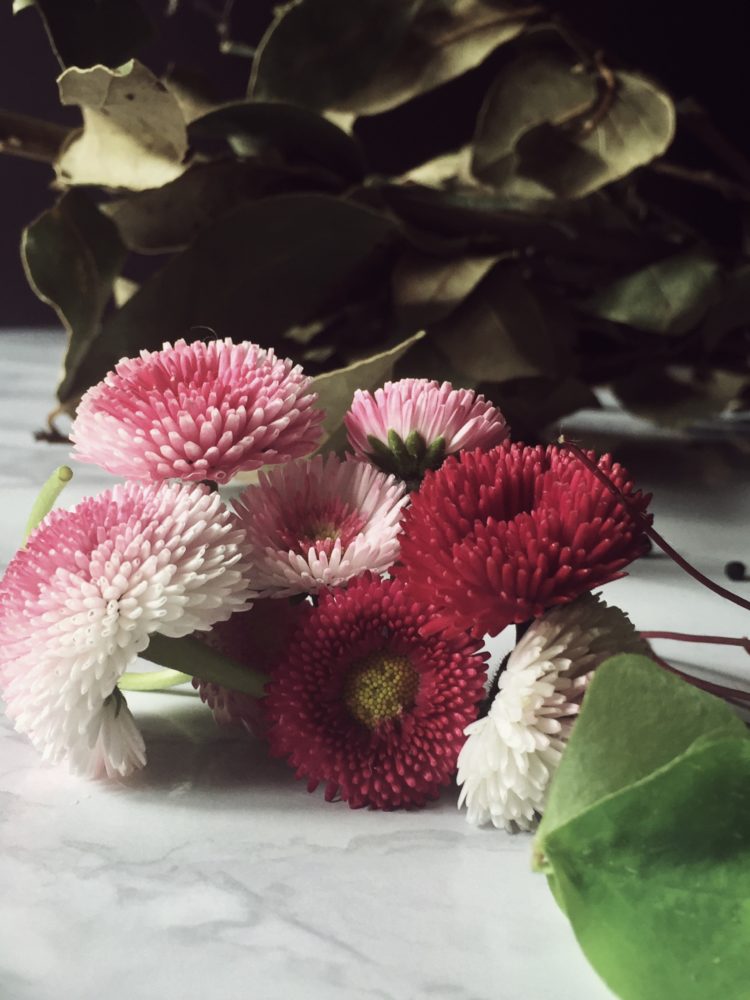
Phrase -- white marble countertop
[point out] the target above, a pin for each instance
(215, 874)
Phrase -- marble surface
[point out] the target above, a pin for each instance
(214, 873)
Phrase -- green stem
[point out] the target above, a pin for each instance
(199, 660)
(47, 497)
(152, 680)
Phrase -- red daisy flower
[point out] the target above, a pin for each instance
(364, 702)
(497, 537)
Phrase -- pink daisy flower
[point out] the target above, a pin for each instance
(410, 426)
(81, 600)
(317, 524)
(197, 411)
(363, 702)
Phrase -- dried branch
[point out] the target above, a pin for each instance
(31, 138)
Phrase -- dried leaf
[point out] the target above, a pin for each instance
(335, 389)
(549, 128)
(498, 333)
(301, 134)
(444, 41)
(170, 217)
(677, 397)
(134, 135)
(71, 255)
(256, 272)
(319, 52)
(87, 33)
(427, 288)
(668, 297)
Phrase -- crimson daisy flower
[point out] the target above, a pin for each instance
(497, 537)
(362, 701)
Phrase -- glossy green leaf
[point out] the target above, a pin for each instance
(302, 135)
(134, 134)
(646, 835)
(545, 128)
(72, 255)
(256, 272)
(86, 33)
(668, 297)
(319, 52)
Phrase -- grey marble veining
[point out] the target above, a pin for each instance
(214, 874)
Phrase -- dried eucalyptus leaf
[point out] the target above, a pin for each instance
(551, 124)
(730, 311)
(677, 398)
(531, 404)
(123, 289)
(668, 297)
(299, 133)
(444, 41)
(551, 227)
(72, 254)
(498, 333)
(87, 33)
(134, 134)
(317, 53)
(171, 216)
(335, 389)
(257, 271)
(427, 288)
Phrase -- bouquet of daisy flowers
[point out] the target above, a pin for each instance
(338, 606)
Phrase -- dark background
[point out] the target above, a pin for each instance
(694, 49)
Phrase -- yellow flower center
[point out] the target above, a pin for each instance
(380, 687)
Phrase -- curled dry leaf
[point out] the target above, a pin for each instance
(427, 288)
(134, 135)
(549, 128)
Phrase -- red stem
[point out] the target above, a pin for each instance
(714, 640)
(652, 532)
(738, 698)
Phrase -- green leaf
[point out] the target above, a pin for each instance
(301, 134)
(668, 297)
(134, 133)
(72, 255)
(319, 52)
(498, 333)
(256, 272)
(646, 835)
(547, 128)
(730, 311)
(444, 41)
(87, 33)
(335, 389)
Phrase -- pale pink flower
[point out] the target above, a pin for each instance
(508, 760)
(317, 524)
(410, 426)
(197, 411)
(82, 599)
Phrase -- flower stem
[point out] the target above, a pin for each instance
(196, 659)
(152, 680)
(647, 528)
(714, 640)
(46, 498)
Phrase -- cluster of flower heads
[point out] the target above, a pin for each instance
(361, 586)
